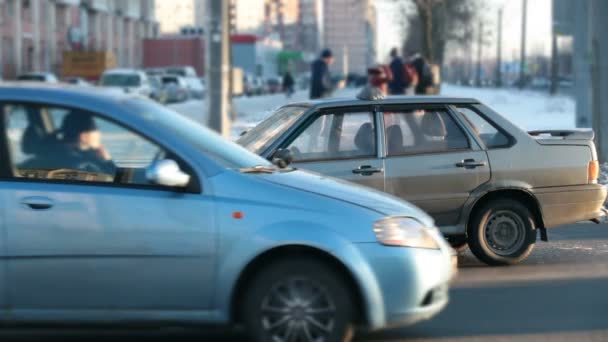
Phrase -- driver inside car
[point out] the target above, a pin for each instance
(80, 146)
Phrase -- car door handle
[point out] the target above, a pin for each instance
(37, 203)
(367, 170)
(470, 163)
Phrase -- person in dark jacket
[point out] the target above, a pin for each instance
(425, 76)
(288, 84)
(320, 83)
(399, 83)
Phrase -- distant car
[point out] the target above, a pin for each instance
(164, 222)
(154, 71)
(253, 85)
(486, 182)
(195, 87)
(157, 90)
(273, 85)
(183, 71)
(45, 77)
(176, 88)
(79, 81)
(129, 80)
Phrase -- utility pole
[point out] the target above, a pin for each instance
(554, 61)
(499, 51)
(479, 47)
(582, 63)
(217, 66)
(522, 58)
(599, 75)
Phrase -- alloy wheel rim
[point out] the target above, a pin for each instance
(298, 310)
(504, 232)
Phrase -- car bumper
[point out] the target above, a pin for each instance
(571, 204)
(413, 282)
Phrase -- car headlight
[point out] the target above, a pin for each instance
(405, 232)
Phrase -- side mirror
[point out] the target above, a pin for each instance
(166, 172)
(282, 158)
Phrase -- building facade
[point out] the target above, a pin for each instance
(173, 15)
(349, 29)
(34, 34)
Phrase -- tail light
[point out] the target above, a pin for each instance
(594, 171)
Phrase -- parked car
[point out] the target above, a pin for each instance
(167, 223)
(79, 81)
(157, 90)
(273, 85)
(253, 85)
(129, 80)
(176, 88)
(46, 77)
(183, 71)
(486, 182)
(154, 71)
(195, 87)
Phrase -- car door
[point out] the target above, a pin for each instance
(431, 161)
(341, 143)
(83, 243)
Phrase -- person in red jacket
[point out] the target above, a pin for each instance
(379, 77)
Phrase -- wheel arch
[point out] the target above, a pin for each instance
(287, 251)
(524, 196)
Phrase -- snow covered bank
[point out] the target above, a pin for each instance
(528, 109)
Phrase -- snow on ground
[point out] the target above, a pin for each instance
(530, 110)
(250, 110)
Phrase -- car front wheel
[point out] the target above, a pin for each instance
(502, 233)
(298, 300)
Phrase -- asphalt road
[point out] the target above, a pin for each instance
(559, 294)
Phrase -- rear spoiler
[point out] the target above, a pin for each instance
(574, 134)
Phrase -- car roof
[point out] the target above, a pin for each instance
(123, 71)
(36, 73)
(389, 100)
(59, 93)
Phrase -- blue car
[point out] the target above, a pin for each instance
(117, 210)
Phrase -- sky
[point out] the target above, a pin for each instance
(389, 31)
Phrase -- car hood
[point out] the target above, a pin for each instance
(345, 191)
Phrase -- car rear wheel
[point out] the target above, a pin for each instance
(298, 300)
(502, 233)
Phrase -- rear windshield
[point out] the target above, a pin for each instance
(259, 138)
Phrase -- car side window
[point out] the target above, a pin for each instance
(336, 136)
(416, 131)
(487, 132)
(68, 144)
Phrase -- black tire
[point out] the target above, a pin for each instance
(502, 232)
(331, 294)
(459, 243)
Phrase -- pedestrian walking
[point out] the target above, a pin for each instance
(288, 84)
(425, 75)
(320, 83)
(400, 81)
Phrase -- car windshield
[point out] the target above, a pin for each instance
(170, 80)
(225, 152)
(260, 137)
(120, 80)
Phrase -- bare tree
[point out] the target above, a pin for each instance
(434, 23)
